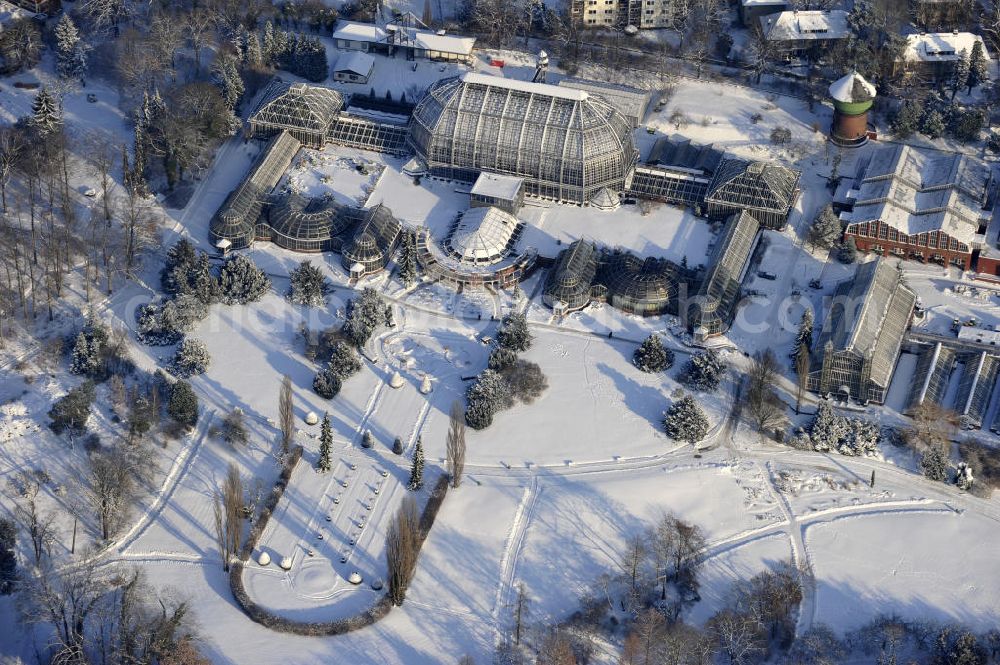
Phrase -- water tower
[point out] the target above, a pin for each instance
(852, 97)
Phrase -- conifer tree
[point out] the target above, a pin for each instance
(84, 359)
(978, 71)
(804, 338)
(685, 421)
(417, 469)
(408, 260)
(652, 356)
(46, 112)
(960, 74)
(325, 444)
(71, 57)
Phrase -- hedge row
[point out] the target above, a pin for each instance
(317, 628)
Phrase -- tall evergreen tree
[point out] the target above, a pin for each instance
(417, 469)
(652, 356)
(71, 56)
(804, 338)
(46, 112)
(325, 444)
(978, 70)
(685, 421)
(825, 230)
(408, 260)
(960, 74)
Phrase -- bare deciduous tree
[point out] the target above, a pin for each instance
(402, 545)
(110, 489)
(521, 605)
(738, 635)
(12, 143)
(763, 407)
(286, 414)
(35, 521)
(228, 516)
(455, 443)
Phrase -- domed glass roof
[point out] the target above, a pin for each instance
(483, 235)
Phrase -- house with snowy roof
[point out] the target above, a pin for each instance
(403, 39)
(932, 55)
(795, 31)
(924, 206)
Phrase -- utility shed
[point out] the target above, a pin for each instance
(863, 330)
(630, 102)
(354, 67)
(497, 191)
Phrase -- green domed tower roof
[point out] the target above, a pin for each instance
(852, 94)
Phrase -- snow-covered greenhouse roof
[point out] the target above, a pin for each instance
(565, 143)
(852, 88)
(868, 317)
(569, 281)
(497, 186)
(650, 281)
(238, 215)
(753, 185)
(305, 224)
(631, 102)
(483, 235)
(298, 106)
(919, 192)
(374, 240)
(680, 153)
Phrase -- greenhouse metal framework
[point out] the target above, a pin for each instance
(647, 287)
(567, 287)
(236, 221)
(369, 250)
(975, 388)
(307, 112)
(767, 191)
(483, 236)
(358, 132)
(931, 376)
(714, 306)
(306, 225)
(857, 351)
(565, 143)
(502, 274)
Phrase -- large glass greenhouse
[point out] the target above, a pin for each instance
(565, 143)
(483, 235)
(307, 225)
(236, 220)
(767, 191)
(647, 287)
(374, 241)
(568, 284)
(307, 112)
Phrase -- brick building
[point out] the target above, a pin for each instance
(920, 206)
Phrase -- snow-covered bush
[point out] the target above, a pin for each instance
(242, 281)
(397, 446)
(934, 464)
(326, 384)
(307, 286)
(963, 476)
(652, 356)
(526, 380)
(703, 372)
(344, 362)
(367, 440)
(501, 358)
(847, 436)
(164, 323)
(489, 394)
(685, 421)
(192, 358)
(233, 429)
(71, 412)
(188, 272)
(365, 314)
(183, 405)
(513, 333)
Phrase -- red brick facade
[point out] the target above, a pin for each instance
(934, 246)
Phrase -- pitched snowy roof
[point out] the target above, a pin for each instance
(632, 102)
(847, 89)
(940, 46)
(525, 86)
(483, 235)
(498, 186)
(805, 25)
(868, 317)
(917, 192)
(359, 32)
(355, 62)
(753, 185)
(436, 41)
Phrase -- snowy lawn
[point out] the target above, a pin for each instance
(928, 565)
